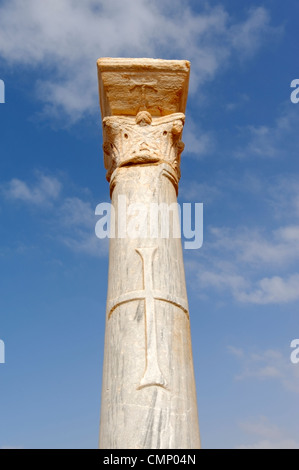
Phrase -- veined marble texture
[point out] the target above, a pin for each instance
(148, 389)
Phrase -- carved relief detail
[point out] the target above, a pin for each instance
(152, 374)
(142, 139)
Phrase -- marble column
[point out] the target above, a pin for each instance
(148, 388)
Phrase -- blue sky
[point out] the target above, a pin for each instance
(240, 160)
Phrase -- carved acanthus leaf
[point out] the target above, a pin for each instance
(142, 139)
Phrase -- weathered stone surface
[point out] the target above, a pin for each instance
(148, 391)
(127, 86)
(142, 139)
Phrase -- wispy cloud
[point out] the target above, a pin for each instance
(246, 37)
(242, 99)
(283, 197)
(253, 265)
(236, 351)
(269, 435)
(277, 196)
(276, 141)
(77, 219)
(272, 290)
(270, 364)
(198, 143)
(64, 39)
(191, 190)
(45, 190)
(258, 247)
(71, 220)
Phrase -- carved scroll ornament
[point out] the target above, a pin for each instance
(142, 140)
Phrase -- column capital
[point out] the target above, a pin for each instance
(142, 140)
(142, 104)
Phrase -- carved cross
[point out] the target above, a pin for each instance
(152, 374)
(143, 86)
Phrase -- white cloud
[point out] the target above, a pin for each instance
(198, 143)
(74, 212)
(276, 141)
(236, 351)
(273, 290)
(253, 266)
(199, 192)
(63, 40)
(223, 280)
(70, 220)
(44, 191)
(267, 365)
(274, 366)
(283, 196)
(86, 243)
(77, 220)
(277, 195)
(270, 435)
(282, 443)
(241, 100)
(246, 36)
(254, 246)
(262, 428)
